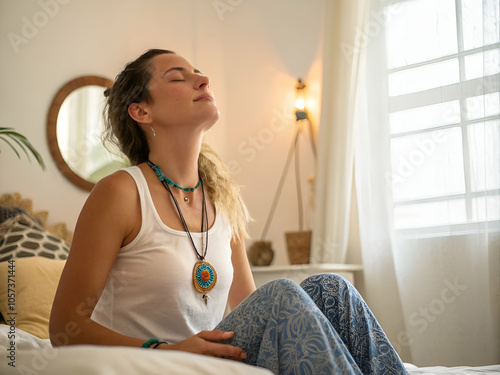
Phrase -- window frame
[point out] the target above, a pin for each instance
(460, 91)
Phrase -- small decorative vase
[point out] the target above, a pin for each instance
(299, 246)
(261, 253)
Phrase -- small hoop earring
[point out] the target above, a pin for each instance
(154, 133)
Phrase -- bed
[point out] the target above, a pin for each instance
(32, 255)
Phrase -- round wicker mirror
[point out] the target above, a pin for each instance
(74, 126)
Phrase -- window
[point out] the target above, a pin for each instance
(443, 64)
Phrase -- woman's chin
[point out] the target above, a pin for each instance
(214, 115)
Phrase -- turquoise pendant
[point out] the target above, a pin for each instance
(204, 278)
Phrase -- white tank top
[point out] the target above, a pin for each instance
(149, 291)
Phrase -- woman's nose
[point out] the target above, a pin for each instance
(202, 81)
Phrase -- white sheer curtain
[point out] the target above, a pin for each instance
(341, 67)
(427, 165)
(343, 72)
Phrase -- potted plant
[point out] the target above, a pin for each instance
(16, 140)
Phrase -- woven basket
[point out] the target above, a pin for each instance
(261, 253)
(299, 246)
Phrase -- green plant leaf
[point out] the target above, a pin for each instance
(12, 147)
(22, 142)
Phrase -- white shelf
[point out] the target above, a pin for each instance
(297, 267)
(299, 272)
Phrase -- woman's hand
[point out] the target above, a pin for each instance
(206, 342)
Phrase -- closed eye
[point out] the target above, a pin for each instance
(181, 70)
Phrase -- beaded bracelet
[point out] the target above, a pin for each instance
(159, 343)
(150, 342)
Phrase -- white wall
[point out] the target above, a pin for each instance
(253, 51)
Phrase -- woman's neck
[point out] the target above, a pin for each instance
(177, 158)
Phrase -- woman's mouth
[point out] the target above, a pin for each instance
(203, 97)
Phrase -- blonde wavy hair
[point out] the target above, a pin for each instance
(132, 86)
(223, 192)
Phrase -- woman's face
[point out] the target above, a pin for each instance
(179, 94)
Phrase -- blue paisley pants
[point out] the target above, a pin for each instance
(321, 327)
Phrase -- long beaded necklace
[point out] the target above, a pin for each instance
(204, 275)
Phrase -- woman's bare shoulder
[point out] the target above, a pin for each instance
(112, 204)
(117, 180)
(117, 185)
(116, 193)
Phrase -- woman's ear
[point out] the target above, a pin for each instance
(138, 111)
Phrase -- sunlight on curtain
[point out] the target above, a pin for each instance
(341, 66)
(428, 172)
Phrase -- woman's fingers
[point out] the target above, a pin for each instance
(226, 351)
(207, 342)
(216, 349)
(215, 335)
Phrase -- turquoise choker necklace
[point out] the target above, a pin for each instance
(162, 177)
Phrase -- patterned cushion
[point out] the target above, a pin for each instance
(9, 212)
(23, 236)
(17, 202)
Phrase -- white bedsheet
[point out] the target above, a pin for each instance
(34, 356)
(458, 370)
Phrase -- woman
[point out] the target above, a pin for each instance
(156, 259)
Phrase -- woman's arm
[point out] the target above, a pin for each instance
(108, 219)
(243, 284)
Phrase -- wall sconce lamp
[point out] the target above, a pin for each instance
(301, 118)
(301, 114)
